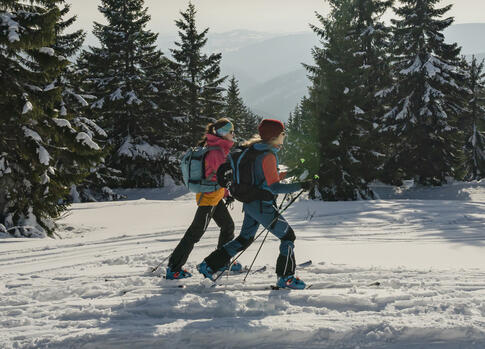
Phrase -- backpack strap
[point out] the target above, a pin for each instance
(239, 162)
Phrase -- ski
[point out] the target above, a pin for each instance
(305, 264)
(259, 287)
(316, 287)
(276, 288)
(260, 270)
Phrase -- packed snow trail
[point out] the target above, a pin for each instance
(90, 289)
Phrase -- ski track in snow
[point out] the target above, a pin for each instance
(91, 290)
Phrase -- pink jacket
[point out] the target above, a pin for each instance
(216, 157)
(213, 160)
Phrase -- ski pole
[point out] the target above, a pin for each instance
(161, 263)
(271, 223)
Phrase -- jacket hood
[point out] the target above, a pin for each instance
(215, 141)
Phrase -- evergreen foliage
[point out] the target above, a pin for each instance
(350, 68)
(300, 152)
(373, 45)
(474, 122)
(73, 106)
(426, 98)
(245, 121)
(40, 144)
(127, 75)
(200, 98)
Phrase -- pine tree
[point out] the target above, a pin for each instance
(245, 121)
(427, 97)
(123, 74)
(474, 125)
(373, 45)
(201, 97)
(73, 107)
(341, 99)
(36, 137)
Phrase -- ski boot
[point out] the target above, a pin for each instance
(290, 281)
(205, 270)
(177, 275)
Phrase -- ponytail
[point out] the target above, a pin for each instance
(211, 129)
(255, 139)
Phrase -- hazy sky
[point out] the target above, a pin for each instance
(279, 16)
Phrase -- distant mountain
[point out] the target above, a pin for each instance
(273, 57)
(221, 42)
(469, 36)
(277, 97)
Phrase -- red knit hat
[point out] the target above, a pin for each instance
(269, 128)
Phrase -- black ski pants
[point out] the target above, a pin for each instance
(223, 219)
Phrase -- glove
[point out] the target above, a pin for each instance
(308, 185)
(229, 200)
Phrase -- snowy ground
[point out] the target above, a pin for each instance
(89, 290)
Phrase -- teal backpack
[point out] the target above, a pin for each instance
(193, 170)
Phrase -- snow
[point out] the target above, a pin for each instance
(44, 179)
(414, 68)
(88, 126)
(405, 109)
(142, 150)
(4, 168)
(431, 69)
(74, 194)
(48, 51)
(132, 98)
(116, 95)
(79, 98)
(50, 87)
(63, 111)
(98, 104)
(83, 137)
(44, 156)
(27, 108)
(358, 111)
(90, 290)
(31, 134)
(62, 123)
(7, 19)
